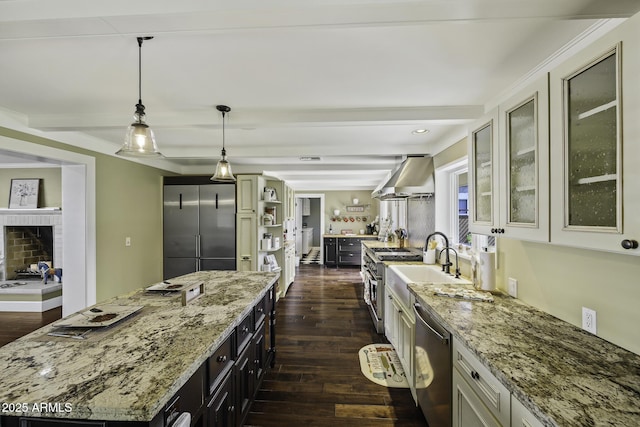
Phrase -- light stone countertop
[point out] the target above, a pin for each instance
(564, 375)
(130, 372)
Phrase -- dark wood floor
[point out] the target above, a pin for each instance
(14, 325)
(321, 324)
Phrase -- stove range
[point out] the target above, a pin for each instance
(396, 254)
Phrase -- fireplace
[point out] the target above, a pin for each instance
(25, 247)
(29, 237)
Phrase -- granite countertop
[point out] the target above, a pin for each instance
(130, 372)
(564, 375)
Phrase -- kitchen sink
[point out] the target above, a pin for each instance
(398, 276)
(426, 274)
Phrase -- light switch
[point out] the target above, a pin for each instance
(127, 241)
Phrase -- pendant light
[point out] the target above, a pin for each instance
(223, 168)
(139, 140)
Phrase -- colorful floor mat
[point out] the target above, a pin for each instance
(380, 364)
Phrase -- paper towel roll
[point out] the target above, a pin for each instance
(487, 272)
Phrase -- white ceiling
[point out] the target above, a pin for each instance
(345, 80)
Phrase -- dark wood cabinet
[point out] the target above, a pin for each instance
(220, 392)
(343, 251)
(330, 252)
(221, 410)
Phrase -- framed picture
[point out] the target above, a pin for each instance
(24, 193)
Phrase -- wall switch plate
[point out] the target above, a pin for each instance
(127, 241)
(512, 287)
(589, 320)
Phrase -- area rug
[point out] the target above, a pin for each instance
(380, 364)
(313, 257)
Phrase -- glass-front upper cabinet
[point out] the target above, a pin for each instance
(483, 157)
(595, 99)
(524, 159)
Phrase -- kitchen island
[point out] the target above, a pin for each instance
(131, 372)
(560, 373)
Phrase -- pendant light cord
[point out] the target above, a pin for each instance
(140, 70)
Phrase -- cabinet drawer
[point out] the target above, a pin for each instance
(349, 244)
(491, 391)
(349, 258)
(220, 363)
(260, 311)
(330, 241)
(244, 332)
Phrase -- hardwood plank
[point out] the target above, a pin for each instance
(321, 324)
(18, 324)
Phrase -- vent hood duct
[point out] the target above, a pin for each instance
(413, 178)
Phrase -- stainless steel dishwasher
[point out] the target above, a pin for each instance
(433, 369)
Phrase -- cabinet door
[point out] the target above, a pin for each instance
(247, 194)
(521, 416)
(221, 409)
(589, 107)
(468, 410)
(247, 244)
(483, 156)
(245, 380)
(406, 342)
(524, 161)
(389, 317)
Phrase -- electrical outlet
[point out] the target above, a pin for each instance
(513, 287)
(127, 241)
(589, 320)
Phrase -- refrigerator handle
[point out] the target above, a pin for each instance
(197, 246)
(180, 200)
(216, 200)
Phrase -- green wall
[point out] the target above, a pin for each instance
(128, 203)
(50, 191)
(340, 200)
(561, 280)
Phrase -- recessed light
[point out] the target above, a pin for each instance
(419, 131)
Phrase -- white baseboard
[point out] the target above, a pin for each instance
(31, 306)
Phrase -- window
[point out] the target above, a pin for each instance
(452, 193)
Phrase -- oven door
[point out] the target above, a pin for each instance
(369, 283)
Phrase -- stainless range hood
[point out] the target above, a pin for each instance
(413, 178)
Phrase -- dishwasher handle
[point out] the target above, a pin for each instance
(416, 308)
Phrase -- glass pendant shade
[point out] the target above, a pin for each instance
(223, 168)
(139, 140)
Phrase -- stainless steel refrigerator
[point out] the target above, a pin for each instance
(199, 227)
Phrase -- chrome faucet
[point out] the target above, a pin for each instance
(446, 267)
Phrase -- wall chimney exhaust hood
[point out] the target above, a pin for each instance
(413, 178)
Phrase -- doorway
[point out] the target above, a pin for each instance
(309, 228)
(78, 219)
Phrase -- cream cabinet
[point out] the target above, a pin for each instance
(399, 326)
(594, 105)
(509, 164)
(484, 175)
(247, 194)
(478, 397)
(524, 162)
(246, 242)
(521, 416)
